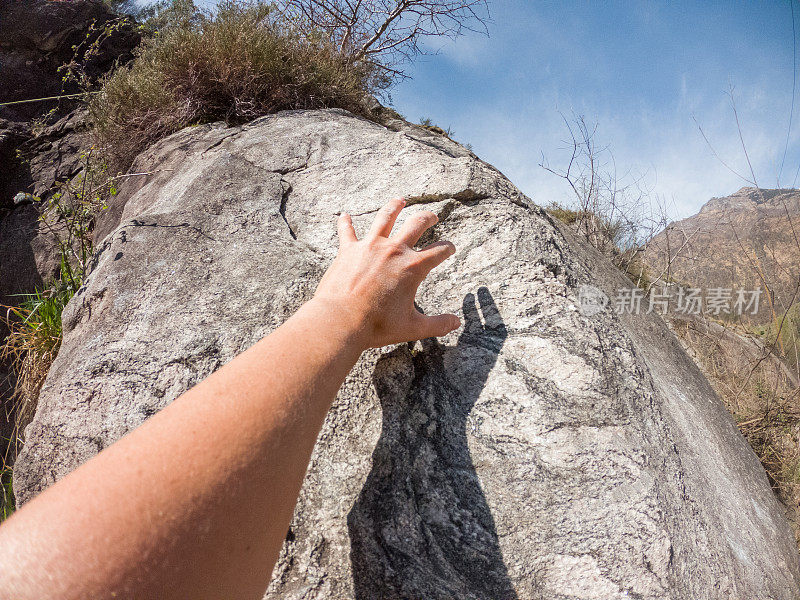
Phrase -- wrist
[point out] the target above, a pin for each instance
(341, 320)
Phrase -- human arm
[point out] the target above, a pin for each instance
(196, 502)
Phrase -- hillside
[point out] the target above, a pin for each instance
(747, 240)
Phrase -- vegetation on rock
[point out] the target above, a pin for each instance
(244, 61)
(34, 324)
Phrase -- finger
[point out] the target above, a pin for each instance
(436, 326)
(345, 227)
(384, 220)
(415, 225)
(491, 315)
(472, 320)
(433, 255)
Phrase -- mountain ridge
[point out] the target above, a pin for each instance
(750, 240)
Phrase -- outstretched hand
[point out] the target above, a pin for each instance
(256, 419)
(373, 281)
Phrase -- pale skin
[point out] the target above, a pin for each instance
(197, 501)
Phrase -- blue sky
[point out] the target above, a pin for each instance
(641, 70)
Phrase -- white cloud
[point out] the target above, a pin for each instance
(666, 145)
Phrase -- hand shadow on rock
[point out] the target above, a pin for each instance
(421, 526)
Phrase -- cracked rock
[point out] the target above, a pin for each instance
(537, 453)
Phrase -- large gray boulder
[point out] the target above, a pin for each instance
(536, 453)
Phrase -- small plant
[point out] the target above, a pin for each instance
(34, 324)
(81, 70)
(7, 502)
(39, 124)
(69, 215)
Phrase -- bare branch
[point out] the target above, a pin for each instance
(386, 33)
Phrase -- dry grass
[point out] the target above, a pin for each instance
(7, 503)
(30, 347)
(784, 335)
(244, 61)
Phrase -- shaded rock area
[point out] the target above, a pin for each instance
(29, 255)
(37, 37)
(41, 142)
(16, 176)
(536, 453)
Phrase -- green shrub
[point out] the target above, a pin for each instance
(244, 61)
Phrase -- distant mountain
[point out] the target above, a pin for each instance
(750, 240)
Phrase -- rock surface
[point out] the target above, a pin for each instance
(536, 453)
(739, 241)
(29, 253)
(38, 36)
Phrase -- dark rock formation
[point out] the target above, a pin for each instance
(16, 175)
(537, 453)
(37, 37)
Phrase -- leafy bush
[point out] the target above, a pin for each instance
(244, 61)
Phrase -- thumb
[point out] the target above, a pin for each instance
(437, 325)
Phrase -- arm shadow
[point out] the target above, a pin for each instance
(421, 526)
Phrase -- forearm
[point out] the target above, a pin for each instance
(196, 502)
(214, 476)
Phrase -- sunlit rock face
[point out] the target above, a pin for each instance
(541, 451)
